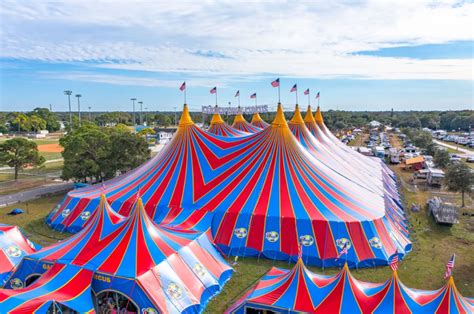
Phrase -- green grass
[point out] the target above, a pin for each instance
(50, 155)
(38, 141)
(32, 221)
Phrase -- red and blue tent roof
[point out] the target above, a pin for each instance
(13, 247)
(219, 127)
(258, 121)
(299, 290)
(242, 125)
(142, 260)
(66, 285)
(256, 186)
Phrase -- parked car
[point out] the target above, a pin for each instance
(470, 158)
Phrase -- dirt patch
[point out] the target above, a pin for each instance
(50, 148)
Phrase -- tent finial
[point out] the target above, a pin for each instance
(279, 120)
(185, 117)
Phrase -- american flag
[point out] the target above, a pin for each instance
(237, 94)
(394, 261)
(300, 251)
(294, 88)
(344, 250)
(276, 82)
(253, 96)
(317, 95)
(213, 91)
(449, 267)
(306, 92)
(183, 86)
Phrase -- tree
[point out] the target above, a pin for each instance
(459, 178)
(20, 122)
(422, 139)
(431, 149)
(52, 123)
(441, 158)
(146, 131)
(162, 119)
(37, 123)
(19, 153)
(92, 152)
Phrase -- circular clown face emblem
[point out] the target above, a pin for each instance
(85, 215)
(16, 283)
(342, 242)
(175, 291)
(199, 270)
(375, 243)
(149, 310)
(65, 212)
(306, 240)
(272, 236)
(240, 233)
(13, 251)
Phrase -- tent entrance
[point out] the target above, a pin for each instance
(109, 300)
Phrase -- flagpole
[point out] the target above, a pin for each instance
(239, 98)
(279, 101)
(296, 94)
(216, 96)
(185, 93)
(309, 99)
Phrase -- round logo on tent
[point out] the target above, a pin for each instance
(174, 290)
(66, 212)
(149, 310)
(16, 283)
(272, 236)
(240, 233)
(199, 269)
(85, 215)
(306, 240)
(375, 243)
(13, 251)
(342, 242)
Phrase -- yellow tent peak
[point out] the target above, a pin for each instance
(309, 115)
(185, 117)
(297, 118)
(239, 118)
(279, 120)
(216, 118)
(256, 117)
(102, 199)
(318, 117)
(346, 267)
(451, 281)
(140, 202)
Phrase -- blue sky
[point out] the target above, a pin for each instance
(364, 55)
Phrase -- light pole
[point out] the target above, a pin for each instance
(90, 115)
(68, 93)
(141, 110)
(146, 116)
(79, 107)
(134, 121)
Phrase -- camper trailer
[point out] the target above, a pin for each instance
(434, 176)
(394, 156)
(378, 151)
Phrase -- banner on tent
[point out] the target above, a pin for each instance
(234, 110)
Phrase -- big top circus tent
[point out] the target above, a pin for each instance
(13, 247)
(156, 267)
(299, 290)
(258, 121)
(61, 288)
(258, 185)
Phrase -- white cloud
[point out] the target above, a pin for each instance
(304, 39)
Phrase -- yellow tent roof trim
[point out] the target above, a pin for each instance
(318, 117)
(297, 118)
(256, 117)
(185, 117)
(279, 120)
(216, 118)
(309, 115)
(239, 118)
